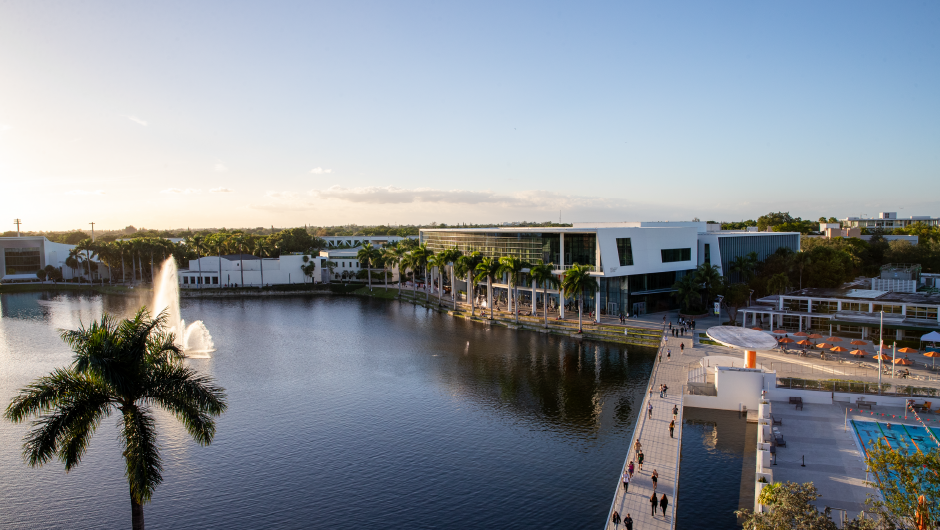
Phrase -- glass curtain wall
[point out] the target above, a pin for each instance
(527, 246)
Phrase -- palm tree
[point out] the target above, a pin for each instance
(541, 272)
(409, 261)
(119, 366)
(465, 265)
(801, 260)
(577, 280)
(486, 270)
(421, 254)
(687, 292)
(242, 243)
(216, 245)
(197, 245)
(452, 256)
(392, 253)
(710, 276)
(778, 283)
(512, 267)
(262, 249)
(367, 255)
(439, 261)
(121, 246)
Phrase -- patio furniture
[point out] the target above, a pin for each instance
(775, 421)
(778, 439)
(861, 403)
(926, 406)
(798, 401)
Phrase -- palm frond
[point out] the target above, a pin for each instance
(143, 465)
(193, 398)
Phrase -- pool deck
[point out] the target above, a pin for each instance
(660, 451)
(833, 460)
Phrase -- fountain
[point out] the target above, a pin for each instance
(194, 339)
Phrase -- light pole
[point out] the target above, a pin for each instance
(92, 232)
(881, 345)
(17, 222)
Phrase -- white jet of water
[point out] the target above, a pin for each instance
(194, 340)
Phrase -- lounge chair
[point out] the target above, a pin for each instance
(778, 439)
(775, 421)
(798, 401)
(926, 406)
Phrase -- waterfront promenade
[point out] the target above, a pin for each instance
(661, 452)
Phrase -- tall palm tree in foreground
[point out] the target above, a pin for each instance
(438, 261)
(710, 277)
(486, 271)
(577, 280)
(420, 256)
(367, 255)
(409, 262)
(541, 272)
(512, 267)
(119, 367)
(465, 265)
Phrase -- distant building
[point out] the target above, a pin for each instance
(22, 257)
(226, 271)
(889, 221)
(357, 241)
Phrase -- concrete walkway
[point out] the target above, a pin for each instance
(661, 452)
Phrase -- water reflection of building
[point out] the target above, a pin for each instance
(636, 263)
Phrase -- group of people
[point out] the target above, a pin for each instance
(661, 502)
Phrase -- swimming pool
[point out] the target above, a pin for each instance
(910, 438)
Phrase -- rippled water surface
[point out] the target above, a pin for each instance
(344, 412)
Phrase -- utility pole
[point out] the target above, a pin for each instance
(881, 346)
(92, 232)
(17, 223)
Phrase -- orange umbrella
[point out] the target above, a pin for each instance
(905, 362)
(805, 342)
(858, 353)
(833, 339)
(882, 357)
(755, 328)
(815, 336)
(838, 349)
(823, 345)
(858, 343)
(780, 331)
(907, 350)
(932, 353)
(788, 340)
(801, 334)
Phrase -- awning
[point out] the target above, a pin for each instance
(905, 327)
(933, 336)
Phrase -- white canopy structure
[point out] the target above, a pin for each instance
(933, 336)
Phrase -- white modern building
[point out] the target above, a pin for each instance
(247, 270)
(346, 265)
(21, 257)
(358, 241)
(889, 221)
(636, 263)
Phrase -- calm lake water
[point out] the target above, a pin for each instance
(344, 412)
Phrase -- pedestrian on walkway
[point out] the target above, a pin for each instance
(628, 522)
(668, 355)
(675, 412)
(630, 469)
(615, 518)
(637, 446)
(649, 411)
(626, 480)
(639, 460)
(672, 427)
(665, 391)
(655, 479)
(654, 501)
(681, 347)
(664, 503)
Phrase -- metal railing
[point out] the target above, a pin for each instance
(857, 387)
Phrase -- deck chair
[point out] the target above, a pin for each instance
(926, 406)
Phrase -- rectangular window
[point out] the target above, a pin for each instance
(824, 306)
(215, 280)
(624, 251)
(927, 312)
(894, 309)
(854, 306)
(671, 255)
(185, 280)
(708, 254)
(799, 306)
(22, 260)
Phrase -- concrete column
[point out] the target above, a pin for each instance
(535, 304)
(561, 266)
(809, 305)
(597, 304)
(904, 309)
(801, 323)
(839, 305)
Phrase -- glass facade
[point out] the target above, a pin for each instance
(624, 251)
(672, 255)
(527, 246)
(732, 247)
(638, 293)
(708, 253)
(22, 260)
(581, 249)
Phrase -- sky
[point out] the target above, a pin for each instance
(242, 114)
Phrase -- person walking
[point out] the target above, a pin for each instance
(655, 478)
(668, 355)
(628, 522)
(630, 469)
(675, 412)
(626, 480)
(663, 504)
(672, 427)
(665, 391)
(639, 460)
(615, 518)
(681, 348)
(654, 501)
(649, 411)
(637, 446)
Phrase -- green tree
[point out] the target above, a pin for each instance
(41, 274)
(710, 277)
(198, 245)
(438, 261)
(736, 296)
(293, 240)
(577, 280)
(512, 267)
(119, 366)
(688, 293)
(410, 262)
(466, 264)
(367, 255)
(909, 484)
(773, 219)
(790, 508)
(262, 249)
(486, 271)
(543, 275)
(744, 266)
(241, 242)
(778, 283)
(420, 256)
(393, 253)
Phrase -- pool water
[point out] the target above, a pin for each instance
(909, 438)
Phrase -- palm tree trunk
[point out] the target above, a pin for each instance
(262, 270)
(515, 305)
(369, 273)
(489, 295)
(545, 301)
(123, 277)
(580, 307)
(453, 287)
(535, 305)
(470, 293)
(137, 515)
(427, 286)
(241, 265)
(385, 275)
(220, 265)
(199, 264)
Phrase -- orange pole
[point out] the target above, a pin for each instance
(750, 359)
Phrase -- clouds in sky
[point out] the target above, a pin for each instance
(320, 171)
(219, 167)
(180, 191)
(136, 120)
(388, 195)
(85, 192)
(220, 190)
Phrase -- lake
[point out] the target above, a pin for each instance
(344, 411)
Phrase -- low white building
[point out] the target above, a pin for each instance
(357, 241)
(21, 257)
(347, 265)
(247, 270)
